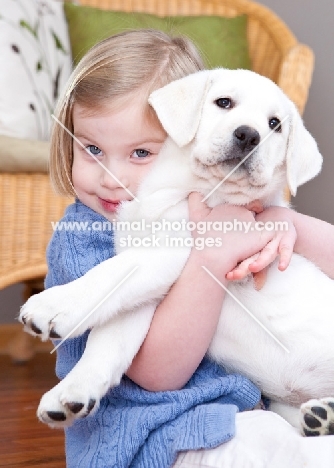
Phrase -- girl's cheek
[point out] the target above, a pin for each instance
(80, 175)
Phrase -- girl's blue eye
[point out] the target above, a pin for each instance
(95, 150)
(141, 153)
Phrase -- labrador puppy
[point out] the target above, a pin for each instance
(235, 137)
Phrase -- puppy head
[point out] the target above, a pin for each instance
(303, 159)
(245, 137)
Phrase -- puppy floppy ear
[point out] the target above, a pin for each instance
(303, 159)
(178, 105)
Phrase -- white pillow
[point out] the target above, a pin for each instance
(21, 155)
(34, 66)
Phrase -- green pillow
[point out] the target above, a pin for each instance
(221, 41)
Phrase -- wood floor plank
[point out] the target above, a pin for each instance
(9, 331)
(25, 441)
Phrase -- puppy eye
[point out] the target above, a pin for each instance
(275, 124)
(225, 103)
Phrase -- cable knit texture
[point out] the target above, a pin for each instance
(133, 427)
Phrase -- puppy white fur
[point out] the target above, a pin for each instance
(213, 119)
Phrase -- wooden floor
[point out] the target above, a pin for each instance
(24, 441)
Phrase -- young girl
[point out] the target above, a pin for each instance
(105, 108)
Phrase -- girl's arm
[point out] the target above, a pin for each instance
(315, 241)
(181, 330)
(314, 237)
(185, 321)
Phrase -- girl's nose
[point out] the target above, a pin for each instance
(112, 177)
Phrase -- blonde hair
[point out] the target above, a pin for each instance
(132, 61)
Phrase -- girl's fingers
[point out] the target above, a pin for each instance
(197, 209)
(285, 253)
(273, 249)
(266, 256)
(255, 206)
(241, 270)
(260, 279)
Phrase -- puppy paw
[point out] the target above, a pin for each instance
(317, 417)
(69, 401)
(56, 313)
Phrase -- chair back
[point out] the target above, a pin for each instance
(274, 50)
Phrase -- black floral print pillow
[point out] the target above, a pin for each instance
(35, 65)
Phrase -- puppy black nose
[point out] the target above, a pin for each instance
(246, 137)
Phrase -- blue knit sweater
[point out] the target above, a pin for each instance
(133, 427)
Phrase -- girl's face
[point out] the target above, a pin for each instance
(125, 142)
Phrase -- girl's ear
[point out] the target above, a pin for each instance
(178, 105)
(303, 159)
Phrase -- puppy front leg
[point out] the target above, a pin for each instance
(133, 277)
(109, 352)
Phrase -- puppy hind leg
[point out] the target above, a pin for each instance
(317, 417)
(287, 412)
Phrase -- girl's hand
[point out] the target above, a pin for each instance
(281, 245)
(283, 242)
(242, 270)
(235, 244)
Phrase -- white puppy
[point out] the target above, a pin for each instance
(220, 117)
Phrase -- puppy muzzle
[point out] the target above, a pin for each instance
(245, 141)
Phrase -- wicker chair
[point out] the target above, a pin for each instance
(27, 202)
